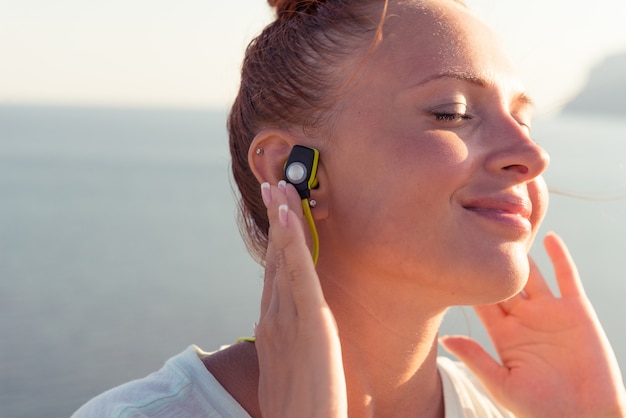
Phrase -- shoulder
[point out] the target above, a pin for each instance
(464, 395)
(182, 387)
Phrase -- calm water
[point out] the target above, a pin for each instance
(118, 246)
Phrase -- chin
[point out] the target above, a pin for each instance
(515, 284)
(500, 279)
(512, 280)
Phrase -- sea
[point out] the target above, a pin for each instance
(119, 245)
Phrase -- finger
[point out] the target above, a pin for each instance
(489, 371)
(299, 206)
(565, 270)
(295, 269)
(488, 314)
(270, 265)
(278, 212)
(294, 200)
(537, 285)
(268, 280)
(509, 305)
(273, 197)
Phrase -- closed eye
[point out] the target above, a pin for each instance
(451, 117)
(525, 126)
(523, 120)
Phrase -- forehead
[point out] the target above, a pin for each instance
(424, 38)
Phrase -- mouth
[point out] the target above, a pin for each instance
(507, 211)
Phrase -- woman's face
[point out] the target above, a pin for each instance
(433, 177)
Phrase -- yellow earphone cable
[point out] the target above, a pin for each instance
(306, 208)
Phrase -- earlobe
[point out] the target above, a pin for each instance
(267, 154)
(320, 208)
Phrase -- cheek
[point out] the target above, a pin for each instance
(433, 169)
(416, 160)
(418, 173)
(412, 204)
(431, 147)
(446, 150)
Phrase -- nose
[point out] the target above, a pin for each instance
(516, 154)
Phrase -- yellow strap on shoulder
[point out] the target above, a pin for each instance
(245, 340)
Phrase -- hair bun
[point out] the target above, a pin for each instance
(290, 7)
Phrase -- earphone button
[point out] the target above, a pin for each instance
(296, 172)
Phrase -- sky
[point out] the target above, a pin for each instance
(187, 53)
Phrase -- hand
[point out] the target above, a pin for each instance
(300, 364)
(555, 360)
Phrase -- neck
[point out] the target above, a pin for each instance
(388, 340)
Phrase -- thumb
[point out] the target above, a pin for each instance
(470, 352)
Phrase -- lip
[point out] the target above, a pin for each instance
(510, 210)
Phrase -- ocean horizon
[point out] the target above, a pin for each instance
(119, 246)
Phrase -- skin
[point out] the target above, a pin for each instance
(430, 196)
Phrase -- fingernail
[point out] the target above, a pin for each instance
(266, 194)
(283, 210)
(442, 341)
(282, 185)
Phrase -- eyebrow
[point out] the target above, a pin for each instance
(521, 98)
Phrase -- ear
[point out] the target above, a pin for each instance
(268, 152)
(267, 156)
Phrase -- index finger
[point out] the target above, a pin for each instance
(565, 270)
(536, 286)
(295, 269)
(290, 277)
(273, 198)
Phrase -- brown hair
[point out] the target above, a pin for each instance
(289, 79)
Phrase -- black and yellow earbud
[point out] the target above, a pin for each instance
(301, 171)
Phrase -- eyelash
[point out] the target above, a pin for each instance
(451, 117)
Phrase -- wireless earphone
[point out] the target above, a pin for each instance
(301, 171)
